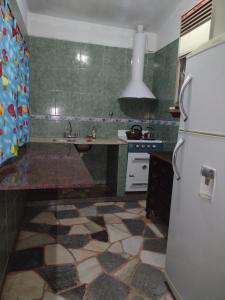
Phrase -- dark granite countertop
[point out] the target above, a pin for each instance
(165, 156)
(45, 166)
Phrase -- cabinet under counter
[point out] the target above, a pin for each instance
(160, 185)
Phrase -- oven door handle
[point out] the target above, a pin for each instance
(139, 184)
(141, 159)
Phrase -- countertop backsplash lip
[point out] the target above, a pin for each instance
(103, 120)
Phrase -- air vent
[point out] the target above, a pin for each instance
(195, 17)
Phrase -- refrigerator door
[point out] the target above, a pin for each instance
(195, 263)
(202, 99)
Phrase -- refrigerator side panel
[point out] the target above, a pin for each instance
(204, 96)
(195, 263)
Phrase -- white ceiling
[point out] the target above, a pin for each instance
(118, 13)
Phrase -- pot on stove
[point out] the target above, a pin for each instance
(150, 134)
(135, 133)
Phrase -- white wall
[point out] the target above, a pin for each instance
(24, 11)
(51, 27)
(169, 30)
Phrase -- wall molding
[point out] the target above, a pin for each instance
(104, 120)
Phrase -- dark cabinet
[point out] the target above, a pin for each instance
(160, 186)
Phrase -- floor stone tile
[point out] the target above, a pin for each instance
(110, 261)
(51, 296)
(75, 294)
(149, 280)
(59, 277)
(73, 241)
(126, 272)
(93, 227)
(132, 245)
(120, 204)
(23, 285)
(78, 229)
(46, 228)
(112, 219)
(74, 221)
(61, 207)
(157, 260)
(116, 248)
(109, 209)
(88, 211)
(25, 234)
(148, 233)
(97, 246)
(131, 205)
(82, 254)
(66, 214)
(116, 234)
(126, 215)
(143, 214)
(57, 255)
(135, 226)
(100, 236)
(156, 231)
(142, 203)
(26, 259)
(98, 220)
(121, 227)
(155, 245)
(89, 270)
(167, 296)
(107, 288)
(83, 204)
(134, 296)
(45, 218)
(104, 203)
(136, 211)
(36, 240)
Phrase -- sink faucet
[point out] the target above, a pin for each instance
(70, 129)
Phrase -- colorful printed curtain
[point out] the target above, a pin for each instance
(14, 86)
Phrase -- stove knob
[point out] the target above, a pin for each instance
(153, 146)
(148, 146)
(143, 146)
(137, 146)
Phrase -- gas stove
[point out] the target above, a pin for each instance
(138, 161)
(141, 146)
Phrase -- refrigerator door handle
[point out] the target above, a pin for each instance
(174, 159)
(187, 81)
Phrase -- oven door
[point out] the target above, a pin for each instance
(137, 172)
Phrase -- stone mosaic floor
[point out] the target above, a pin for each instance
(100, 251)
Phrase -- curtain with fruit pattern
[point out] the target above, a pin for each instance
(14, 86)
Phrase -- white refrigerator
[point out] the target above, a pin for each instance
(195, 263)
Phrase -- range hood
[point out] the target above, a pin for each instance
(136, 88)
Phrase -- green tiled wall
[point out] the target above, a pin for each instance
(11, 212)
(63, 85)
(75, 79)
(164, 84)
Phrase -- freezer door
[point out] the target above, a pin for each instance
(202, 99)
(195, 263)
